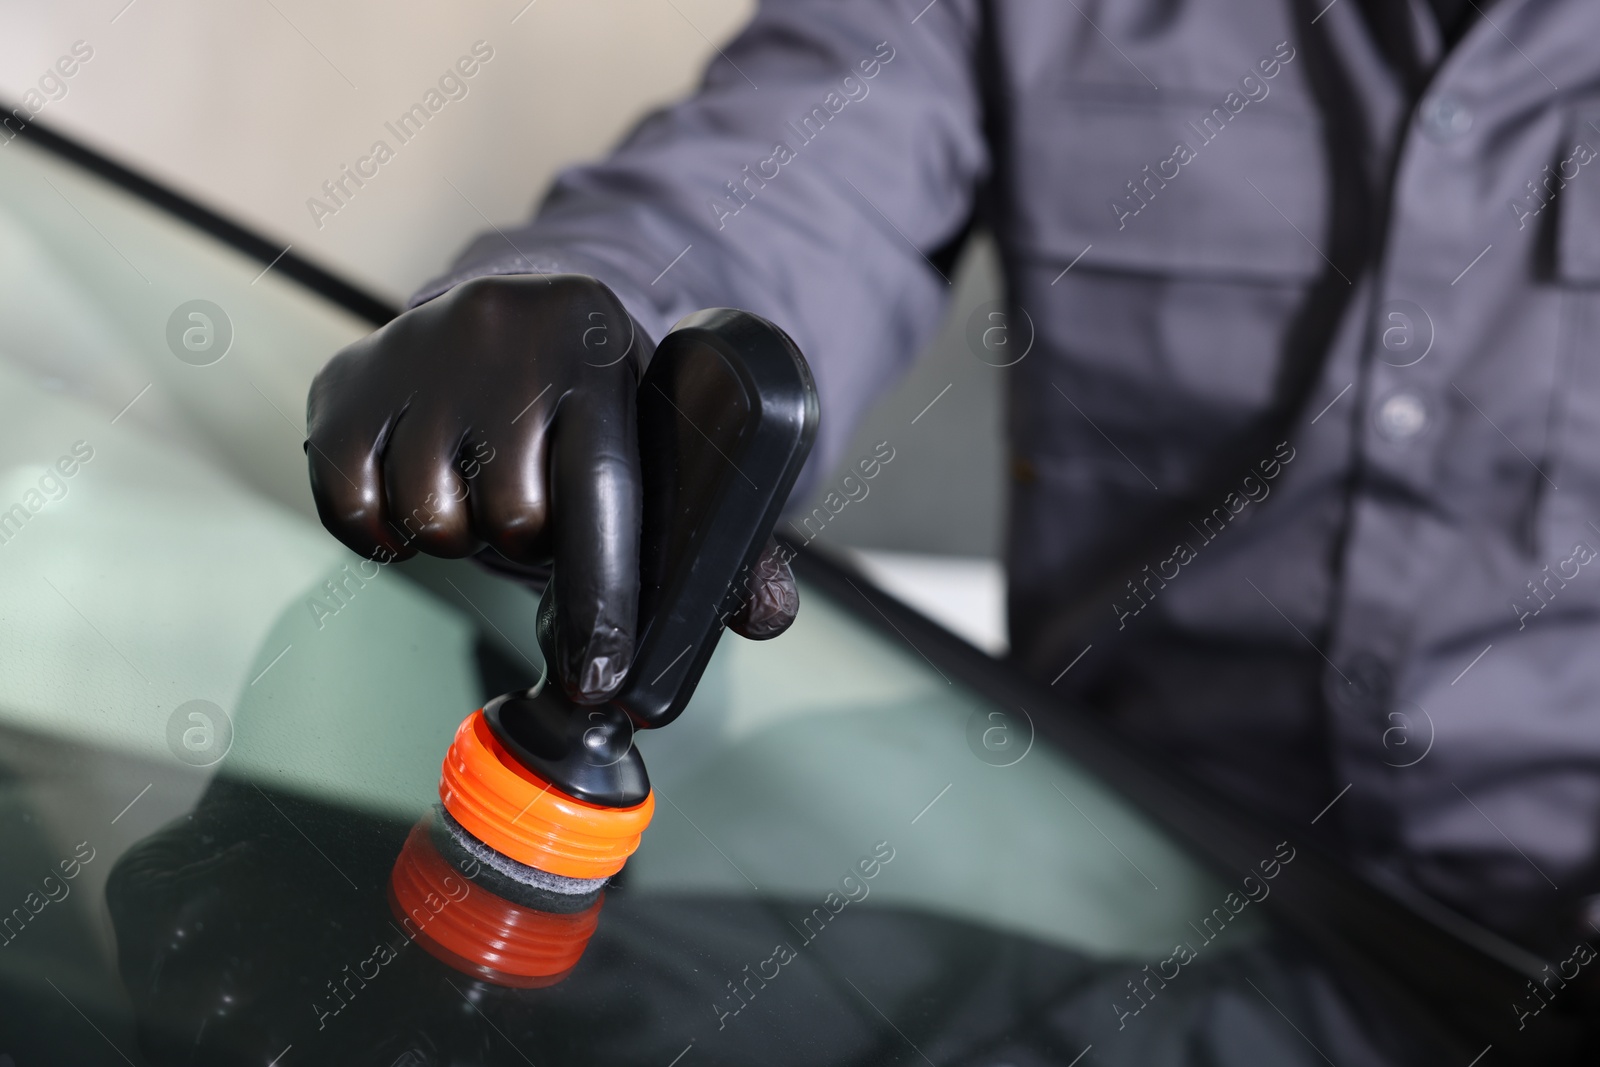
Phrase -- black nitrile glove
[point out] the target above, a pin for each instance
(501, 414)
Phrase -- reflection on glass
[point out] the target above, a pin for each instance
(448, 909)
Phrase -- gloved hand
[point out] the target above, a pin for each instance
(501, 414)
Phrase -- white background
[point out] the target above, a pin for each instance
(250, 105)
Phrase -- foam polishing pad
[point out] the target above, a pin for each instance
(514, 812)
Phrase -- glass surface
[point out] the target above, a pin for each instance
(219, 729)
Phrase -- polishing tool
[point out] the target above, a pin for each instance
(553, 795)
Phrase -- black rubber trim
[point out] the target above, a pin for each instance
(319, 280)
(1463, 975)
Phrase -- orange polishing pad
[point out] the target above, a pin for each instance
(518, 814)
(478, 933)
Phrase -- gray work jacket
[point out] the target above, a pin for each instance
(1306, 439)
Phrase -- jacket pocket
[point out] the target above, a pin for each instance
(1188, 187)
(1570, 189)
(1577, 238)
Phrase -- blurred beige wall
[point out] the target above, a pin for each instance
(250, 105)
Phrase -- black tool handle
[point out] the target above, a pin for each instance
(727, 414)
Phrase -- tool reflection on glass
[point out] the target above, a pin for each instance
(483, 924)
(552, 794)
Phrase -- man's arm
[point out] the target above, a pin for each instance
(832, 147)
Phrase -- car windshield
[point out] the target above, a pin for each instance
(223, 733)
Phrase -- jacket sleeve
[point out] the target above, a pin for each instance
(831, 148)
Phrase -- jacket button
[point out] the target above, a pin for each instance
(1445, 117)
(1402, 416)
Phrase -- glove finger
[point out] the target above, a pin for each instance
(505, 463)
(347, 429)
(769, 599)
(425, 494)
(594, 517)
